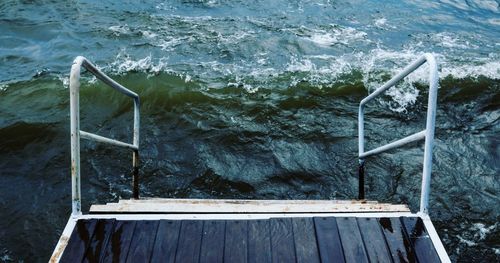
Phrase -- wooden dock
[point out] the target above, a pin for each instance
(195, 230)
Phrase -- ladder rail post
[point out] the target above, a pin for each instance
(76, 133)
(361, 149)
(74, 87)
(428, 133)
(135, 154)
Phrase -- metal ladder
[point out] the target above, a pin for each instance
(76, 133)
(428, 133)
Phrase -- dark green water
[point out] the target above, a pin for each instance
(249, 100)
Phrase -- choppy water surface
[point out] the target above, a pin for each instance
(249, 99)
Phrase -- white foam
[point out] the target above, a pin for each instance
(304, 65)
(489, 69)
(395, 61)
(382, 23)
(148, 34)
(490, 5)
(482, 230)
(234, 37)
(65, 80)
(124, 63)
(460, 4)
(250, 89)
(120, 29)
(479, 232)
(451, 40)
(376, 67)
(324, 39)
(3, 87)
(336, 35)
(170, 42)
(466, 241)
(494, 21)
(318, 75)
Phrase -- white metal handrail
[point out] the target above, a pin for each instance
(428, 133)
(76, 133)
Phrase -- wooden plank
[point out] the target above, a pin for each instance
(399, 245)
(243, 206)
(282, 245)
(236, 245)
(212, 241)
(188, 248)
(327, 235)
(118, 246)
(143, 241)
(79, 241)
(259, 241)
(100, 239)
(352, 243)
(304, 235)
(373, 238)
(420, 239)
(242, 201)
(166, 241)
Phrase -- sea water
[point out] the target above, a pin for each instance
(249, 99)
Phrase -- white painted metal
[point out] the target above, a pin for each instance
(63, 240)
(438, 245)
(412, 138)
(98, 138)
(74, 98)
(428, 133)
(429, 136)
(76, 133)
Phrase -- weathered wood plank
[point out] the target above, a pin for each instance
(142, 244)
(166, 241)
(329, 244)
(420, 239)
(212, 241)
(243, 201)
(374, 240)
(79, 241)
(118, 246)
(188, 248)
(236, 246)
(102, 235)
(282, 245)
(352, 243)
(399, 245)
(243, 206)
(331, 239)
(304, 235)
(259, 242)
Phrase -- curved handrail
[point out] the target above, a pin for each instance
(76, 133)
(428, 133)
